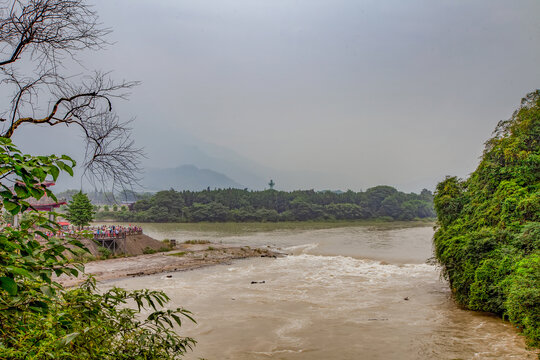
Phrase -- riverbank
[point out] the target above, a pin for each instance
(131, 245)
(184, 257)
(171, 230)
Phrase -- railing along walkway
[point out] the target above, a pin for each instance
(114, 242)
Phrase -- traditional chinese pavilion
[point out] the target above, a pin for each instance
(46, 203)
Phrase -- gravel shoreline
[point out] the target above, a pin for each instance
(184, 257)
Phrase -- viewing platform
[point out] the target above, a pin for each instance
(115, 244)
(115, 240)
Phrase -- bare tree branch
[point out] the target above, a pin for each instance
(41, 33)
(47, 28)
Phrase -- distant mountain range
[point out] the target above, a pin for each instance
(187, 177)
(171, 153)
(180, 161)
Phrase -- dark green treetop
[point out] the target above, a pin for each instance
(80, 210)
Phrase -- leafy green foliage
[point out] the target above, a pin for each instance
(80, 210)
(81, 323)
(149, 250)
(271, 206)
(488, 236)
(523, 302)
(104, 252)
(39, 318)
(30, 173)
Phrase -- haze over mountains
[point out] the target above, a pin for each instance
(303, 92)
(184, 162)
(187, 177)
(242, 171)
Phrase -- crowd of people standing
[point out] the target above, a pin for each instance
(99, 232)
(112, 231)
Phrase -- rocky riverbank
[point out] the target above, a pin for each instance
(184, 257)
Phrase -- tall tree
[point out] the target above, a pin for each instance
(80, 210)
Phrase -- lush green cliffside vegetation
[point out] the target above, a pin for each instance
(488, 237)
(271, 205)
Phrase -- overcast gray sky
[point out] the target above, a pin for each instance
(324, 94)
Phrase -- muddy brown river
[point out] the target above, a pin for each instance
(345, 293)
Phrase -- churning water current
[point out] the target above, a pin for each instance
(344, 293)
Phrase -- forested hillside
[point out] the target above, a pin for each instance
(271, 205)
(488, 237)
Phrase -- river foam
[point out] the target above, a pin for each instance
(319, 304)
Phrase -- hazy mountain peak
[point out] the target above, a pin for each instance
(186, 177)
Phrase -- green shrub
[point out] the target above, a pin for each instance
(104, 252)
(488, 236)
(149, 250)
(179, 254)
(523, 301)
(195, 242)
(81, 323)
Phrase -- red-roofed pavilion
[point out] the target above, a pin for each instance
(45, 203)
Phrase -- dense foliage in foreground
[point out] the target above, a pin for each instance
(488, 238)
(39, 318)
(271, 205)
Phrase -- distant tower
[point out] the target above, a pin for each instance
(271, 184)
